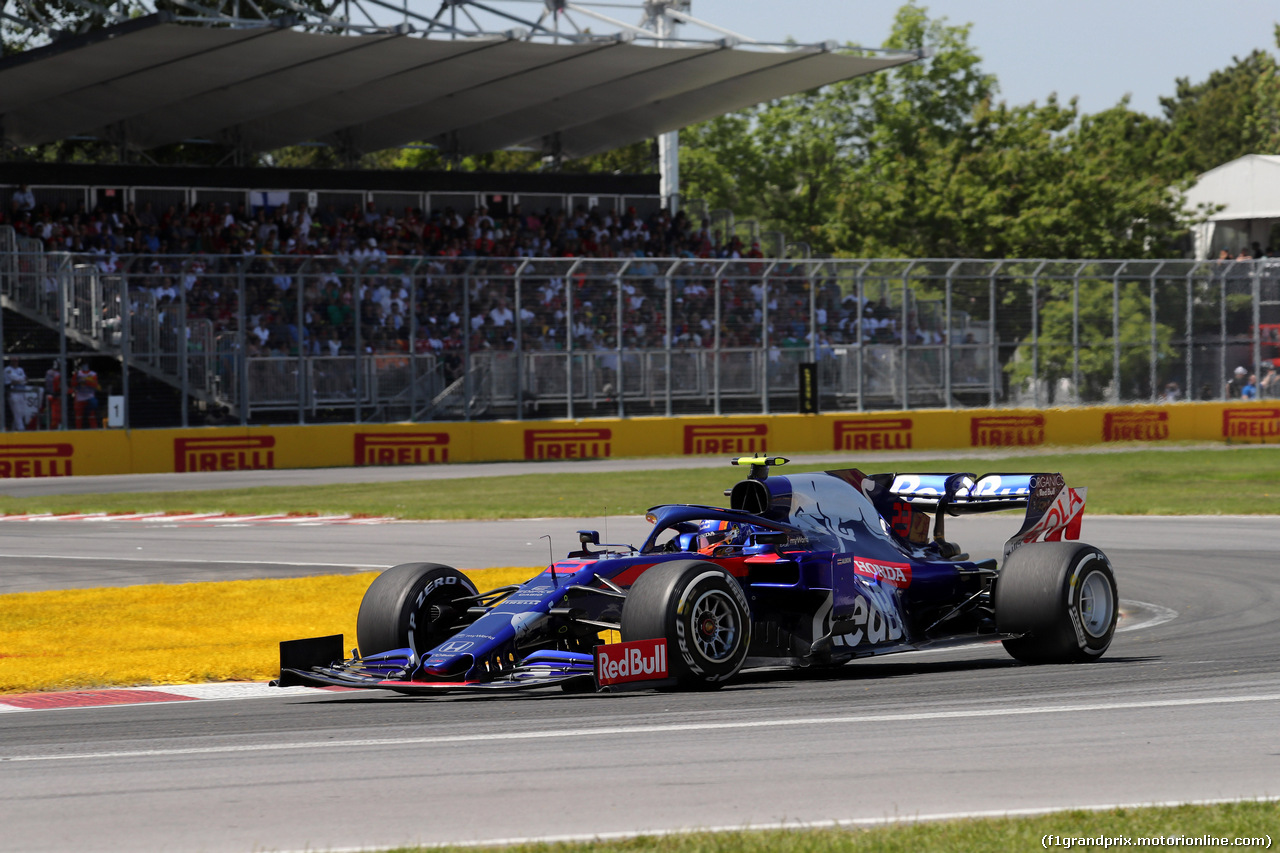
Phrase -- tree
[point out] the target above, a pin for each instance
(1236, 111)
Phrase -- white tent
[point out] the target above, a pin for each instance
(1244, 196)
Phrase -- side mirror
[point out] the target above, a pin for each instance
(589, 537)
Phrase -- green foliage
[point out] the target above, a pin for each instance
(923, 161)
(1099, 302)
(1236, 111)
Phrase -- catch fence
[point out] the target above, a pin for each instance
(284, 339)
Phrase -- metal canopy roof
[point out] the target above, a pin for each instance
(151, 82)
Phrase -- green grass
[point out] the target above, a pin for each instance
(996, 835)
(1244, 481)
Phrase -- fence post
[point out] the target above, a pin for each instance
(519, 310)
(618, 377)
(126, 340)
(568, 336)
(1115, 333)
(766, 355)
(184, 344)
(904, 333)
(994, 355)
(299, 278)
(667, 337)
(1155, 354)
(357, 302)
(1188, 380)
(242, 363)
(1075, 332)
(1035, 335)
(947, 338)
(715, 346)
(63, 278)
(860, 285)
(1222, 330)
(1255, 279)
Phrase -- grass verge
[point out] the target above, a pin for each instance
(989, 835)
(1243, 481)
(177, 633)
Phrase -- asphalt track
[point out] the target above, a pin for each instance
(1183, 709)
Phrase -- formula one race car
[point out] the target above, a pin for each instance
(812, 569)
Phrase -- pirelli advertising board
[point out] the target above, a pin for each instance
(65, 454)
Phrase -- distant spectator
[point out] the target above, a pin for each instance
(23, 199)
(84, 388)
(1270, 385)
(1250, 389)
(1235, 385)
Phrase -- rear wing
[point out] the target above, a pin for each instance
(964, 493)
(1054, 511)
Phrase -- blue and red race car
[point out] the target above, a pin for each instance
(806, 570)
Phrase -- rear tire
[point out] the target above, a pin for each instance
(411, 606)
(1061, 598)
(702, 613)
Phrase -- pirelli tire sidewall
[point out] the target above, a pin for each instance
(400, 607)
(1059, 600)
(669, 600)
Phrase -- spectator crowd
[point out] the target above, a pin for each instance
(332, 281)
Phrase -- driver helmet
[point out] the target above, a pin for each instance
(713, 533)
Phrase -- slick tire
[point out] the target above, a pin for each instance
(411, 606)
(702, 613)
(1060, 598)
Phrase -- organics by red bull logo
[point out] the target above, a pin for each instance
(725, 438)
(1006, 431)
(232, 453)
(568, 443)
(401, 448)
(1252, 424)
(640, 660)
(874, 434)
(1149, 425)
(19, 461)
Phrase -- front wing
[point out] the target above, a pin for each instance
(319, 662)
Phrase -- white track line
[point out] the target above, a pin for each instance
(613, 731)
(791, 825)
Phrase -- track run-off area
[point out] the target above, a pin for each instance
(1183, 708)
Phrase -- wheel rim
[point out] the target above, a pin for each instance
(715, 624)
(1096, 604)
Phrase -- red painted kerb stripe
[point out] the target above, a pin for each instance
(89, 698)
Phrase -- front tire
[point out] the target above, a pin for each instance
(702, 613)
(411, 606)
(1061, 599)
